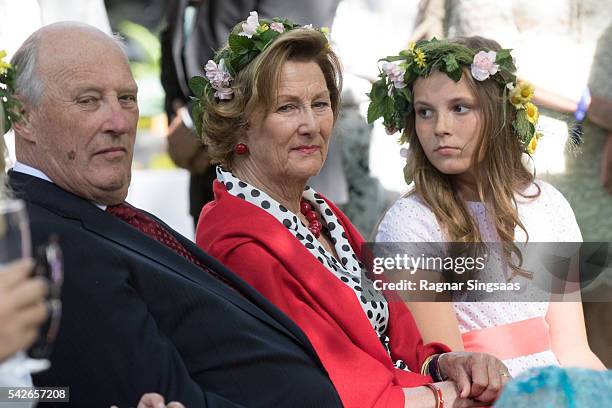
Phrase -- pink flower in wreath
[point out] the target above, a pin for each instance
(278, 27)
(220, 79)
(484, 65)
(395, 74)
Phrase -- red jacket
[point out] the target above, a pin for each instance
(262, 251)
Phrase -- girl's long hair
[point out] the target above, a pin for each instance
(499, 172)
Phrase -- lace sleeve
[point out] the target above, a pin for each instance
(565, 224)
(409, 220)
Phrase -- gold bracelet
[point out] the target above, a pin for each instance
(437, 394)
(425, 366)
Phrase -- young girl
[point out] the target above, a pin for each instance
(468, 123)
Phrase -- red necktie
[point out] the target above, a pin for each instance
(153, 229)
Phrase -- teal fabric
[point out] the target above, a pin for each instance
(555, 387)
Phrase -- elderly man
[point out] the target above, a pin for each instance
(144, 309)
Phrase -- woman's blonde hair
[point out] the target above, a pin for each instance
(497, 165)
(255, 88)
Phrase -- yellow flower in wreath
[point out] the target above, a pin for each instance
(533, 143)
(515, 100)
(532, 112)
(4, 66)
(419, 57)
(521, 94)
(526, 90)
(262, 28)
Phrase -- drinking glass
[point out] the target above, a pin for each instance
(14, 231)
(14, 245)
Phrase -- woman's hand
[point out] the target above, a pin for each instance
(22, 307)
(477, 376)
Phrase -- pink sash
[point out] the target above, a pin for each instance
(510, 340)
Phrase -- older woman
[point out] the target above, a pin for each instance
(269, 105)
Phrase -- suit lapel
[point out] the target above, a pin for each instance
(245, 289)
(108, 227)
(125, 235)
(250, 293)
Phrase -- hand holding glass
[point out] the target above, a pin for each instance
(23, 305)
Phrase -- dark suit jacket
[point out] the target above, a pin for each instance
(137, 317)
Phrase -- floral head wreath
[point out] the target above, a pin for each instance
(10, 105)
(391, 99)
(246, 41)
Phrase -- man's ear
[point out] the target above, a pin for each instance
(23, 127)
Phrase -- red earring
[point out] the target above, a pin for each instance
(241, 148)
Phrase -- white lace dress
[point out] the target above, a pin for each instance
(548, 218)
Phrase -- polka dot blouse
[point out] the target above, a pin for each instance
(346, 267)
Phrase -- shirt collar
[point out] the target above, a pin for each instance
(34, 172)
(25, 169)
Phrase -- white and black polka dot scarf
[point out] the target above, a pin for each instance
(348, 269)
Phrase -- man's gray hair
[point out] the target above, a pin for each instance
(28, 84)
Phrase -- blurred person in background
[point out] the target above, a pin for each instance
(587, 181)
(587, 184)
